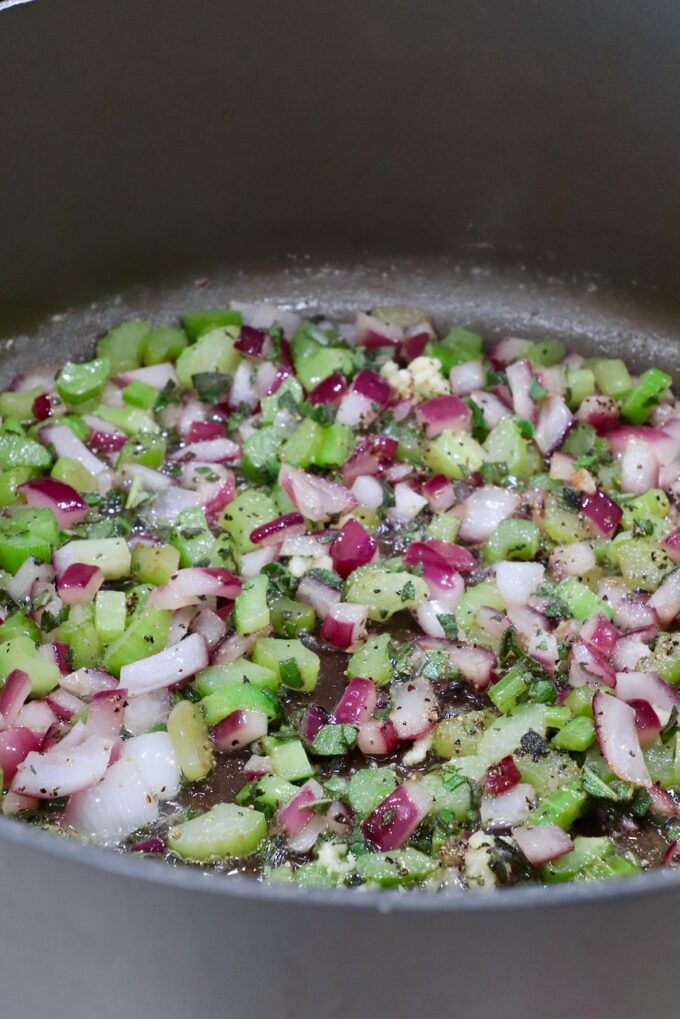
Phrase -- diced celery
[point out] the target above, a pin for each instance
(17, 625)
(504, 735)
(78, 383)
(313, 360)
(660, 759)
(545, 353)
(373, 660)
(19, 404)
(295, 665)
(198, 323)
(580, 701)
(274, 792)
(456, 801)
(290, 618)
(224, 831)
(164, 343)
(232, 697)
(485, 593)
(508, 690)
(261, 455)
(122, 346)
(577, 735)
(146, 634)
(192, 538)
(153, 564)
(213, 352)
(513, 539)
(304, 445)
(385, 592)
(562, 807)
(335, 447)
(562, 524)
(642, 563)
(369, 787)
(505, 445)
(642, 400)
(215, 676)
(80, 633)
(251, 611)
(109, 615)
(140, 394)
(144, 448)
(460, 734)
(665, 658)
(289, 759)
(611, 375)
(270, 405)
(74, 474)
(580, 600)
(455, 454)
(20, 451)
(20, 653)
(580, 384)
(190, 741)
(130, 420)
(10, 481)
(444, 526)
(549, 773)
(250, 509)
(586, 851)
(398, 867)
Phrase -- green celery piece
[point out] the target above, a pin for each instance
(337, 443)
(237, 697)
(505, 445)
(19, 405)
(611, 375)
(586, 851)
(153, 564)
(456, 800)
(224, 831)
(274, 792)
(140, 394)
(123, 345)
(459, 735)
(130, 420)
(398, 867)
(10, 481)
(79, 382)
(261, 455)
(455, 454)
(373, 659)
(289, 759)
(513, 539)
(581, 601)
(144, 448)
(251, 611)
(385, 591)
(109, 615)
(290, 618)
(213, 352)
(164, 343)
(74, 474)
(304, 445)
(507, 691)
(577, 735)
(198, 323)
(484, 593)
(20, 653)
(250, 509)
(193, 538)
(368, 787)
(190, 741)
(545, 353)
(642, 400)
(290, 389)
(20, 451)
(561, 524)
(146, 634)
(294, 664)
(580, 384)
(19, 625)
(242, 671)
(333, 740)
(562, 807)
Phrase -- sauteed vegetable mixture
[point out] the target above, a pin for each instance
(361, 605)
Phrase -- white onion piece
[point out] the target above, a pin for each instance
(252, 562)
(190, 585)
(60, 773)
(666, 599)
(66, 444)
(639, 467)
(36, 716)
(175, 664)
(150, 480)
(156, 375)
(647, 686)
(554, 421)
(30, 571)
(493, 409)
(355, 410)
(154, 755)
(114, 808)
(544, 648)
(516, 582)
(86, 682)
(573, 560)
(264, 316)
(543, 843)
(484, 511)
(629, 652)
(368, 492)
(167, 506)
(316, 498)
(180, 623)
(467, 377)
(427, 617)
(618, 739)
(209, 451)
(210, 626)
(242, 390)
(146, 712)
(408, 504)
(305, 839)
(318, 595)
(304, 545)
(520, 377)
(414, 708)
(509, 808)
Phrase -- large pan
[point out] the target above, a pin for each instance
(510, 166)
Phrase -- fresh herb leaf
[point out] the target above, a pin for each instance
(536, 390)
(479, 427)
(670, 728)
(210, 386)
(447, 621)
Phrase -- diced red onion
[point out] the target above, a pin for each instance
(175, 664)
(517, 581)
(501, 777)
(15, 746)
(637, 614)
(508, 809)
(256, 767)
(209, 451)
(367, 491)
(554, 421)
(156, 375)
(414, 708)
(329, 390)
(543, 843)
(48, 776)
(344, 625)
(372, 386)
(618, 739)
(190, 585)
(319, 596)
(527, 621)
(42, 407)
(646, 722)
(629, 652)
(210, 626)
(544, 649)
(201, 431)
(394, 820)
(316, 498)
(79, 583)
(275, 532)
(666, 446)
(671, 545)
(647, 686)
(598, 411)
(603, 514)
(520, 377)
(484, 511)
(353, 547)
(666, 599)
(154, 755)
(439, 493)
(103, 437)
(110, 811)
(663, 802)
(31, 571)
(297, 813)
(595, 664)
(493, 409)
(214, 483)
(67, 505)
(251, 341)
(238, 730)
(355, 410)
(36, 716)
(242, 390)
(314, 718)
(65, 705)
(599, 634)
(358, 702)
(15, 690)
(234, 647)
(372, 332)
(377, 737)
(492, 622)
(443, 413)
